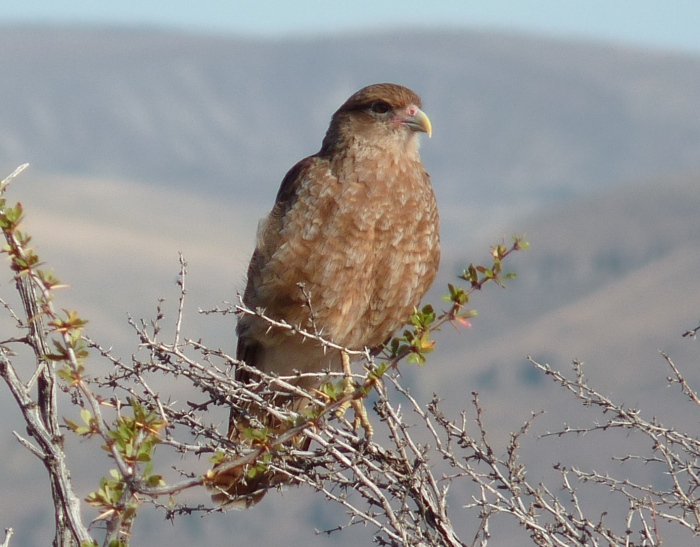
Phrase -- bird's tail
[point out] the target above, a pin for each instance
(253, 425)
(242, 486)
(234, 489)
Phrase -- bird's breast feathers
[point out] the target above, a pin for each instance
(345, 244)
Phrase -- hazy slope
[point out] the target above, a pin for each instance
(166, 142)
(116, 243)
(517, 119)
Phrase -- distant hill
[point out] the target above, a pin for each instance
(517, 119)
(609, 278)
(146, 143)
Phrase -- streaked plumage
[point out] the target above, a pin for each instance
(357, 226)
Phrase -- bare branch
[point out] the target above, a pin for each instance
(8, 536)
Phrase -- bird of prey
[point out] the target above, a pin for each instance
(348, 251)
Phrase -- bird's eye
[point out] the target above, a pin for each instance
(379, 107)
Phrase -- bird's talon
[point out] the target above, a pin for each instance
(342, 409)
(361, 418)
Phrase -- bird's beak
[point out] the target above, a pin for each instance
(419, 121)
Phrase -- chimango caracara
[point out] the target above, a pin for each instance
(348, 250)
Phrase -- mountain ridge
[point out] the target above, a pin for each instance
(146, 145)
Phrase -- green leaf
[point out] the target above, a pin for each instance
(86, 415)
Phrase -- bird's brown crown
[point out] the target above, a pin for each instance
(369, 109)
(392, 95)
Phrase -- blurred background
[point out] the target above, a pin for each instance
(158, 127)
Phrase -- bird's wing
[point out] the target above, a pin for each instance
(280, 256)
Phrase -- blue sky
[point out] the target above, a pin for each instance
(670, 24)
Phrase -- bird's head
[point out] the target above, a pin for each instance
(379, 113)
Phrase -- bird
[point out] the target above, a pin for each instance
(348, 251)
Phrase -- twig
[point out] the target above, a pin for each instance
(9, 532)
